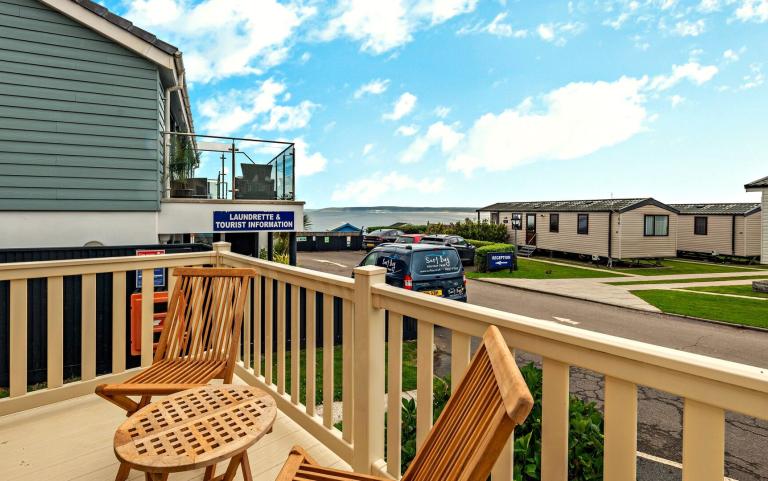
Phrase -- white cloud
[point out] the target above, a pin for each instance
(438, 134)
(256, 108)
(559, 33)
(708, 6)
(307, 162)
(730, 55)
(753, 10)
(403, 106)
(441, 111)
(684, 28)
(754, 79)
(692, 71)
(367, 149)
(407, 130)
(374, 87)
(381, 26)
(496, 27)
(305, 57)
(576, 120)
(676, 100)
(379, 184)
(223, 38)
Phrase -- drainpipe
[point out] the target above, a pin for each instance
(610, 236)
(733, 234)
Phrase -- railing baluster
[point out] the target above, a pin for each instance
(295, 344)
(348, 363)
(18, 338)
(257, 325)
(620, 456)
(424, 380)
(268, 305)
(327, 360)
(703, 442)
(394, 393)
(503, 470)
(281, 286)
(88, 327)
(118, 320)
(147, 314)
(247, 330)
(55, 339)
(460, 347)
(311, 358)
(554, 421)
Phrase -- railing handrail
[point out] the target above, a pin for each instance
(99, 265)
(458, 317)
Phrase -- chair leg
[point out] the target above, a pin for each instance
(122, 472)
(119, 400)
(234, 463)
(246, 466)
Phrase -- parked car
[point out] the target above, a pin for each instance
(432, 269)
(465, 249)
(380, 236)
(409, 239)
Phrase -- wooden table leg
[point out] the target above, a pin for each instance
(122, 472)
(234, 463)
(246, 466)
(210, 473)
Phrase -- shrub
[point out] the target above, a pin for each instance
(469, 229)
(406, 228)
(481, 252)
(479, 243)
(585, 435)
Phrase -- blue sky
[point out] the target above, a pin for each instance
(466, 103)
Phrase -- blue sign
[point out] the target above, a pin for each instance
(250, 221)
(159, 276)
(500, 260)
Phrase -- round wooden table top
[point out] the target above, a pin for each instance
(195, 428)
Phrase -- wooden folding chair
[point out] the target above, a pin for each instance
(469, 435)
(199, 340)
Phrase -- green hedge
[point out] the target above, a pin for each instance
(469, 229)
(480, 243)
(585, 434)
(480, 254)
(406, 228)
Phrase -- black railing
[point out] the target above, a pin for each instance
(263, 169)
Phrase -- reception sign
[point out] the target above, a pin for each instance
(252, 221)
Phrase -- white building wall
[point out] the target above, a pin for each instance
(75, 229)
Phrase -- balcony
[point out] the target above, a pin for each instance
(58, 429)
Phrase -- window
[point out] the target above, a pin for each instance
(517, 221)
(583, 224)
(656, 225)
(554, 222)
(700, 225)
(494, 217)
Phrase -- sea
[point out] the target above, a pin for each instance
(363, 217)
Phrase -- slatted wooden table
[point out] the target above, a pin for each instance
(193, 429)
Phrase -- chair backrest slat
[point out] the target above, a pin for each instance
(205, 314)
(469, 435)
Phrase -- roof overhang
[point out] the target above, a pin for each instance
(649, 201)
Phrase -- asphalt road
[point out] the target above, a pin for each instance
(659, 414)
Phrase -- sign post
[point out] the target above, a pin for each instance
(159, 274)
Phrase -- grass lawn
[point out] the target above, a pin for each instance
(727, 309)
(681, 281)
(737, 290)
(528, 269)
(409, 371)
(673, 267)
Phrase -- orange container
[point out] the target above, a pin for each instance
(158, 318)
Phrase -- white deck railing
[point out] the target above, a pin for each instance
(709, 386)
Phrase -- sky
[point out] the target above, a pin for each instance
(470, 102)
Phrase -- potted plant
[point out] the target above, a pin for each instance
(183, 162)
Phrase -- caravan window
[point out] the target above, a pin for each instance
(656, 225)
(700, 226)
(554, 222)
(583, 224)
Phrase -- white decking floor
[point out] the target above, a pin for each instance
(72, 440)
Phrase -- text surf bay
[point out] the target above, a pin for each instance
(228, 221)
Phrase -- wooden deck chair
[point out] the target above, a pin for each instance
(469, 435)
(200, 337)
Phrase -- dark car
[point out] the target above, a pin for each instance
(409, 239)
(379, 236)
(465, 249)
(431, 269)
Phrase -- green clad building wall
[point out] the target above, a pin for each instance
(80, 117)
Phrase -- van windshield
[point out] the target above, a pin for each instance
(441, 261)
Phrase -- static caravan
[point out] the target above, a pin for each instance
(761, 185)
(604, 228)
(719, 229)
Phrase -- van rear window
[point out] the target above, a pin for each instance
(443, 261)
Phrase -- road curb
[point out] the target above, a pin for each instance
(679, 316)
